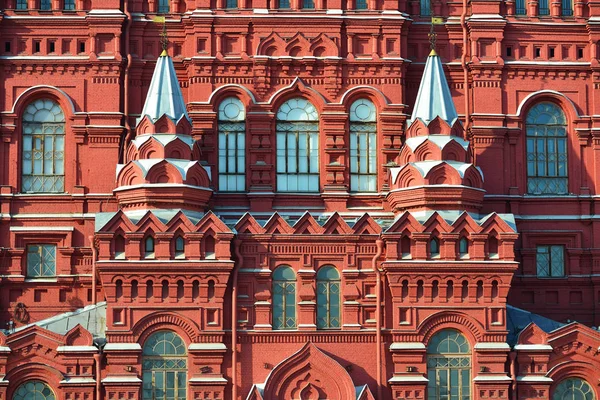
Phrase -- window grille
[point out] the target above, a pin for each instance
(363, 146)
(328, 298)
(232, 145)
(448, 366)
(284, 298)
(550, 261)
(34, 390)
(546, 150)
(520, 7)
(297, 147)
(573, 389)
(43, 147)
(164, 367)
(567, 8)
(41, 260)
(163, 6)
(69, 5)
(45, 5)
(21, 4)
(543, 9)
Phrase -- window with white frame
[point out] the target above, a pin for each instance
(232, 145)
(43, 147)
(363, 146)
(547, 166)
(550, 261)
(41, 260)
(297, 147)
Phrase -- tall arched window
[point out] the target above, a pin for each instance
(573, 389)
(232, 145)
(363, 146)
(297, 147)
(163, 6)
(43, 147)
(448, 366)
(328, 298)
(284, 298)
(164, 367)
(546, 127)
(34, 390)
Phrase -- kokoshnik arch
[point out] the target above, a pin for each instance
(299, 200)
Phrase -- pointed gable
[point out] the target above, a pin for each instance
(366, 226)
(277, 225)
(307, 225)
(211, 222)
(248, 224)
(406, 222)
(337, 226)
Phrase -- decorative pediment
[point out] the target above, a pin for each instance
(366, 225)
(276, 224)
(211, 222)
(180, 221)
(273, 45)
(119, 221)
(150, 222)
(493, 222)
(248, 224)
(308, 374)
(79, 336)
(307, 225)
(405, 223)
(438, 223)
(466, 222)
(298, 46)
(336, 225)
(533, 334)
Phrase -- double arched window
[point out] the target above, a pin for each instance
(448, 366)
(34, 390)
(164, 367)
(232, 145)
(547, 166)
(573, 389)
(284, 298)
(297, 147)
(328, 298)
(363, 146)
(43, 147)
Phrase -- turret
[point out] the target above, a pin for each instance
(435, 171)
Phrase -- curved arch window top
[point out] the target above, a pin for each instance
(43, 147)
(328, 298)
(573, 389)
(284, 298)
(232, 145)
(164, 367)
(297, 147)
(547, 166)
(448, 366)
(34, 390)
(363, 146)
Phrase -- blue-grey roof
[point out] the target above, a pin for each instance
(164, 95)
(518, 319)
(92, 318)
(434, 98)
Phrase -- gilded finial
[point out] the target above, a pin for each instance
(433, 35)
(164, 38)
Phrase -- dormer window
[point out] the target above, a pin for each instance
(463, 247)
(179, 247)
(434, 248)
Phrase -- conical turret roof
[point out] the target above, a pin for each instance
(164, 95)
(434, 98)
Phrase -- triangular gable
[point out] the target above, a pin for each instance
(574, 332)
(466, 222)
(366, 226)
(150, 222)
(211, 222)
(180, 221)
(438, 223)
(248, 224)
(532, 334)
(336, 225)
(406, 222)
(307, 225)
(119, 220)
(495, 222)
(364, 393)
(276, 224)
(255, 393)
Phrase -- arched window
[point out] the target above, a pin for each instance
(163, 6)
(434, 247)
(34, 390)
(463, 247)
(328, 298)
(232, 145)
(297, 147)
(164, 367)
(43, 147)
(149, 247)
(448, 366)
(546, 149)
(573, 389)
(179, 247)
(363, 146)
(284, 298)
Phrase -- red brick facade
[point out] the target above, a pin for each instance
(134, 241)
